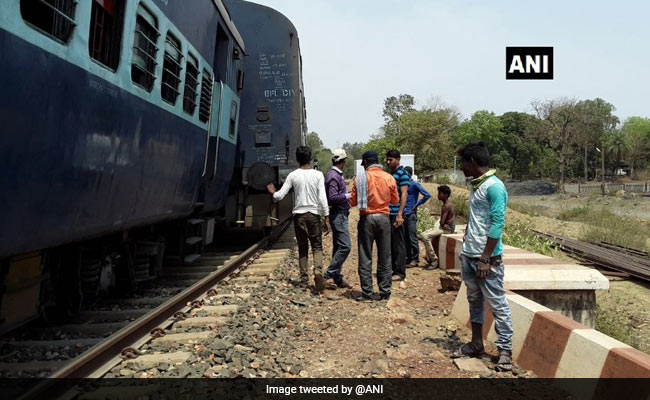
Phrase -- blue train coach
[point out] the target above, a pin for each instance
(273, 119)
(117, 117)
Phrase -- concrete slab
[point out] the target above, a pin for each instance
(152, 360)
(242, 296)
(183, 338)
(556, 277)
(216, 311)
(263, 264)
(250, 271)
(251, 279)
(201, 322)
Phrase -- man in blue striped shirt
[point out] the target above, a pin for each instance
(482, 263)
(398, 248)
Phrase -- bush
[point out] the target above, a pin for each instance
(461, 205)
(425, 220)
(605, 226)
(442, 180)
(518, 235)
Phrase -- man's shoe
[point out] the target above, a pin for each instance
(319, 282)
(397, 278)
(366, 298)
(343, 284)
(432, 266)
(412, 264)
(384, 297)
(331, 285)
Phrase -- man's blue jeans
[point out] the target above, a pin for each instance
(489, 289)
(411, 239)
(341, 244)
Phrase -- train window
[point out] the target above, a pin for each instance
(53, 17)
(206, 97)
(106, 21)
(144, 49)
(171, 77)
(233, 119)
(191, 82)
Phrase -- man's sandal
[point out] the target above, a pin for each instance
(468, 350)
(505, 362)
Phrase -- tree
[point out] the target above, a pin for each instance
(354, 152)
(394, 108)
(618, 146)
(313, 142)
(319, 151)
(520, 144)
(636, 131)
(596, 121)
(559, 128)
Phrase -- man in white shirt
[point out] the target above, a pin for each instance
(309, 206)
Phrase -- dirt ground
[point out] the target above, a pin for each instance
(412, 335)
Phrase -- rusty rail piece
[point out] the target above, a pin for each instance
(606, 257)
(147, 326)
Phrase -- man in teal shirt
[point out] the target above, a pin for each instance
(482, 263)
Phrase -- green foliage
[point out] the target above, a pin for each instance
(483, 126)
(518, 235)
(560, 141)
(574, 214)
(605, 226)
(395, 107)
(461, 205)
(319, 152)
(426, 133)
(611, 324)
(354, 152)
(442, 180)
(425, 220)
(636, 131)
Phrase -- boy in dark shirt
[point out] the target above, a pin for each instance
(431, 237)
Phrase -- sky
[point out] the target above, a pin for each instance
(356, 53)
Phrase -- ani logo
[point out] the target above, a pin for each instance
(529, 62)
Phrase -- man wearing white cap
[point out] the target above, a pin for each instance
(337, 198)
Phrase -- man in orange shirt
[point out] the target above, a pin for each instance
(372, 191)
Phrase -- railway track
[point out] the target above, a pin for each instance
(605, 255)
(218, 283)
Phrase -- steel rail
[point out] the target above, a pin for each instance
(599, 255)
(95, 358)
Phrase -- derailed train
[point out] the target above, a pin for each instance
(131, 130)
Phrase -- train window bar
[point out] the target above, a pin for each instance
(171, 74)
(191, 83)
(59, 26)
(206, 97)
(145, 49)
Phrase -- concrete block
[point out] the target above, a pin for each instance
(216, 311)
(183, 338)
(201, 322)
(152, 360)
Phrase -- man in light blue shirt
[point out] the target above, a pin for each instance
(411, 219)
(482, 264)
